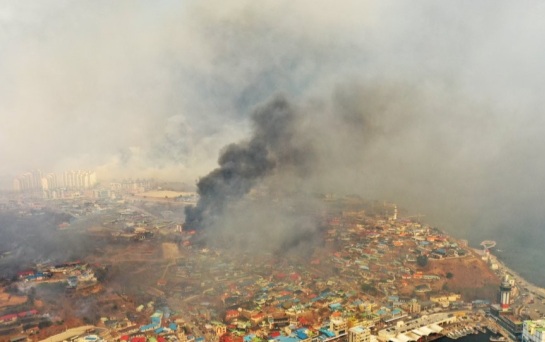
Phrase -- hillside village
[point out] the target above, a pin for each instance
(372, 270)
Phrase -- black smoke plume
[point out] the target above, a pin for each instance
(273, 146)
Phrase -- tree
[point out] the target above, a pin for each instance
(369, 289)
(450, 275)
(32, 295)
(44, 324)
(422, 260)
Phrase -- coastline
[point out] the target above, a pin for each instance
(519, 280)
(504, 269)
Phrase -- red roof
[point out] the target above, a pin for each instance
(230, 338)
(124, 338)
(27, 313)
(230, 314)
(138, 339)
(10, 317)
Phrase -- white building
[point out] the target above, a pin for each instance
(415, 329)
(533, 331)
(74, 180)
(338, 325)
(359, 334)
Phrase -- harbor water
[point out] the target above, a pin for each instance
(480, 337)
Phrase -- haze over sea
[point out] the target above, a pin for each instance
(519, 245)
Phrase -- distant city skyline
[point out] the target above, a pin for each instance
(36, 180)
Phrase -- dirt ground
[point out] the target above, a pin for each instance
(170, 250)
(58, 328)
(470, 276)
(7, 299)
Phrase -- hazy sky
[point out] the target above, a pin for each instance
(450, 93)
(159, 87)
(145, 87)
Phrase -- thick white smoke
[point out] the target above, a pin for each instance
(450, 95)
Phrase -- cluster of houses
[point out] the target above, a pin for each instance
(12, 318)
(373, 259)
(388, 253)
(349, 290)
(73, 273)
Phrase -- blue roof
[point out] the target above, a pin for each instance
(327, 332)
(301, 335)
(335, 306)
(282, 338)
(173, 326)
(149, 327)
(249, 338)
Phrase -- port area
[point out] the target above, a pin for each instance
(460, 330)
(475, 323)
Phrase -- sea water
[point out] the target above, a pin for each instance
(480, 337)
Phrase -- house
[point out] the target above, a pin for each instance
(8, 318)
(231, 314)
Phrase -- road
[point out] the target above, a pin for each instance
(531, 299)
